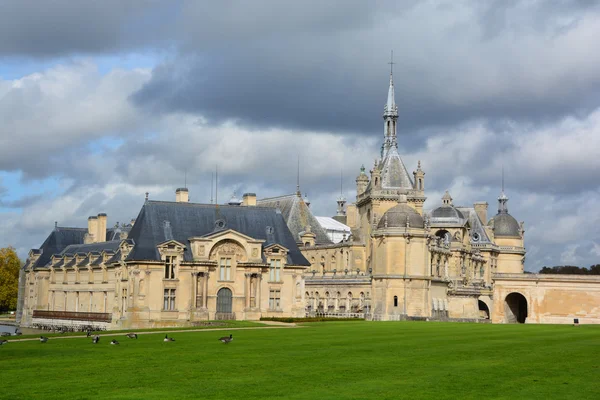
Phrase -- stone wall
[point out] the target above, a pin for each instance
(550, 299)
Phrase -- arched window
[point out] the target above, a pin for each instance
(395, 301)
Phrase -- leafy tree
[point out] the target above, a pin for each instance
(9, 278)
(572, 270)
(595, 269)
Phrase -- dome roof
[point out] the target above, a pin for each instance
(448, 214)
(505, 225)
(396, 217)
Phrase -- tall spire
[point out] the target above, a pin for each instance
(391, 103)
(390, 114)
(502, 199)
(298, 179)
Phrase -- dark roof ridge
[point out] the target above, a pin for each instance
(205, 205)
(283, 196)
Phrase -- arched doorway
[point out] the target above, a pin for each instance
(484, 310)
(224, 301)
(515, 308)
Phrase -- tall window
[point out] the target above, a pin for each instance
(275, 271)
(170, 267)
(395, 301)
(275, 299)
(169, 300)
(225, 269)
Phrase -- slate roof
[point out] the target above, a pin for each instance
(57, 241)
(159, 221)
(476, 225)
(115, 233)
(393, 172)
(447, 215)
(113, 246)
(297, 216)
(505, 225)
(396, 217)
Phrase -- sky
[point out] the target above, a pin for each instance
(101, 102)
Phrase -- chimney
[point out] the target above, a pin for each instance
(101, 235)
(249, 199)
(182, 195)
(481, 210)
(90, 237)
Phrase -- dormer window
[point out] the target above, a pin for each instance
(170, 267)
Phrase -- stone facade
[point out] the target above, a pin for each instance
(144, 281)
(181, 263)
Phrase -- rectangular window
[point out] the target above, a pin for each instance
(225, 269)
(275, 299)
(275, 271)
(169, 300)
(170, 267)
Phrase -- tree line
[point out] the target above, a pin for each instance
(571, 269)
(9, 278)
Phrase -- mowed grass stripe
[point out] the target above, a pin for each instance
(321, 360)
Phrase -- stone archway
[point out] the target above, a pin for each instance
(484, 310)
(515, 308)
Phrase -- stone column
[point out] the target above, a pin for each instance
(258, 291)
(193, 284)
(205, 293)
(247, 289)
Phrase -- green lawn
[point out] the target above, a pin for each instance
(345, 360)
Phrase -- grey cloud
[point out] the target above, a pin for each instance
(30, 28)
(336, 80)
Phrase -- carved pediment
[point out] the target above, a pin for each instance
(228, 248)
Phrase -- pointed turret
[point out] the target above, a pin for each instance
(361, 181)
(447, 199)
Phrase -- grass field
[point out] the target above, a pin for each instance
(333, 360)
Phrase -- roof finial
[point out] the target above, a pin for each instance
(392, 65)
(502, 178)
(502, 199)
(212, 185)
(216, 183)
(147, 194)
(185, 178)
(298, 179)
(55, 224)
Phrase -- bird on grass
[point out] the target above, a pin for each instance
(132, 335)
(168, 339)
(3, 341)
(96, 339)
(43, 339)
(89, 333)
(114, 342)
(226, 339)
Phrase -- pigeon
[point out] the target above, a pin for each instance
(114, 342)
(96, 339)
(43, 339)
(226, 339)
(132, 335)
(168, 339)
